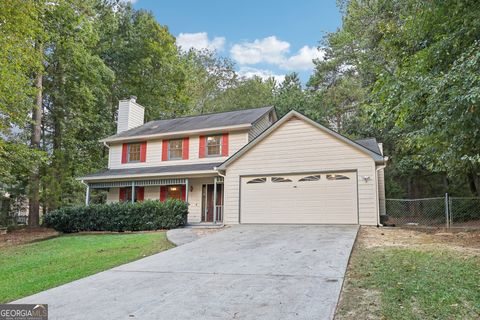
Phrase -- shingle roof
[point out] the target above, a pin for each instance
(116, 173)
(204, 121)
(371, 144)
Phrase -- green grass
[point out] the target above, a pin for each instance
(419, 284)
(34, 267)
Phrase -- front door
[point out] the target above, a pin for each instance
(208, 208)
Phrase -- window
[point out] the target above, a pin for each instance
(175, 148)
(126, 194)
(310, 178)
(134, 152)
(174, 192)
(257, 180)
(280, 179)
(337, 177)
(213, 146)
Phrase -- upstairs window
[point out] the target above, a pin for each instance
(175, 148)
(134, 152)
(213, 146)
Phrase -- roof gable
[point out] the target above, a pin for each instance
(378, 158)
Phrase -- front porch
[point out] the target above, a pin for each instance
(203, 194)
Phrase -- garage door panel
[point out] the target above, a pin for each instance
(329, 201)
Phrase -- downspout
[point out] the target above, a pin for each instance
(385, 159)
(223, 194)
(108, 147)
(87, 195)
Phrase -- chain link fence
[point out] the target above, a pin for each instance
(447, 212)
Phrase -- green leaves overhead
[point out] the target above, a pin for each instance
(417, 65)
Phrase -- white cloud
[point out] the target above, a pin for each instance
(269, 50)
(249, 72)
(274, 51)
(303, 60)
(200, 41)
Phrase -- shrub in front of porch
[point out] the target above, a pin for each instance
(120, 216)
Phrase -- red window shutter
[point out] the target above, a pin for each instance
(225, 145)
(184, 192)
(201, 148)
(143, 151)
(163, 193)
(164, 150)
(124, 153)
(185, 146)
(140, 191)
(122, 194)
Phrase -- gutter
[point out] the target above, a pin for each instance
(178, 133)
(146, 175)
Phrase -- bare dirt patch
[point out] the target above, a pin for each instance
(26, 235)
(467, 242)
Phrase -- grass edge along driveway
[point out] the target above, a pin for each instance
(34, 267)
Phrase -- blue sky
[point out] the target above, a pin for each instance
(263, 37)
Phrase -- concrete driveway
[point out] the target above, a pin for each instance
(244, 272)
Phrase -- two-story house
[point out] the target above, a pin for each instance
(244, 166)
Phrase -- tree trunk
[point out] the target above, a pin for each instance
(474, 182)
(34, 201)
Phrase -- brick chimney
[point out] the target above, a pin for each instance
(130, 114)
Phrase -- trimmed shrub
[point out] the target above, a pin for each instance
(119, 216)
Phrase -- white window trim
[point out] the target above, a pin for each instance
(168, 150)
(220, 146)
(139, 153)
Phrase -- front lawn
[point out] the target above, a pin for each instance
(426, 279)
(30, 268)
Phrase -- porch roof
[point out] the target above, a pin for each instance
(197, 168)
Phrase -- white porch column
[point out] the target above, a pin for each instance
(215, 200)
(133, 191)
(186, 190)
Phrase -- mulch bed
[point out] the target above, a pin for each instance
(26, 235)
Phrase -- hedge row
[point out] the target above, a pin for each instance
(123, 216)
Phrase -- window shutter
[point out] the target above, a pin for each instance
(225, 145)
(140, 192)
(163, 193)
(185, 146)
(201, 149)
(121, 197)
(143, 151)
(124, 153)
(164, 150)
(184, 192)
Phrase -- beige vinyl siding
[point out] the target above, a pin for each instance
(236, 141)
(130, 115)
(260, 126)
(297, 146)
(113, 195)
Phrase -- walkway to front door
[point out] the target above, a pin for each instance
(211, 212)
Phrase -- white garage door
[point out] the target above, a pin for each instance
(323, 198)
